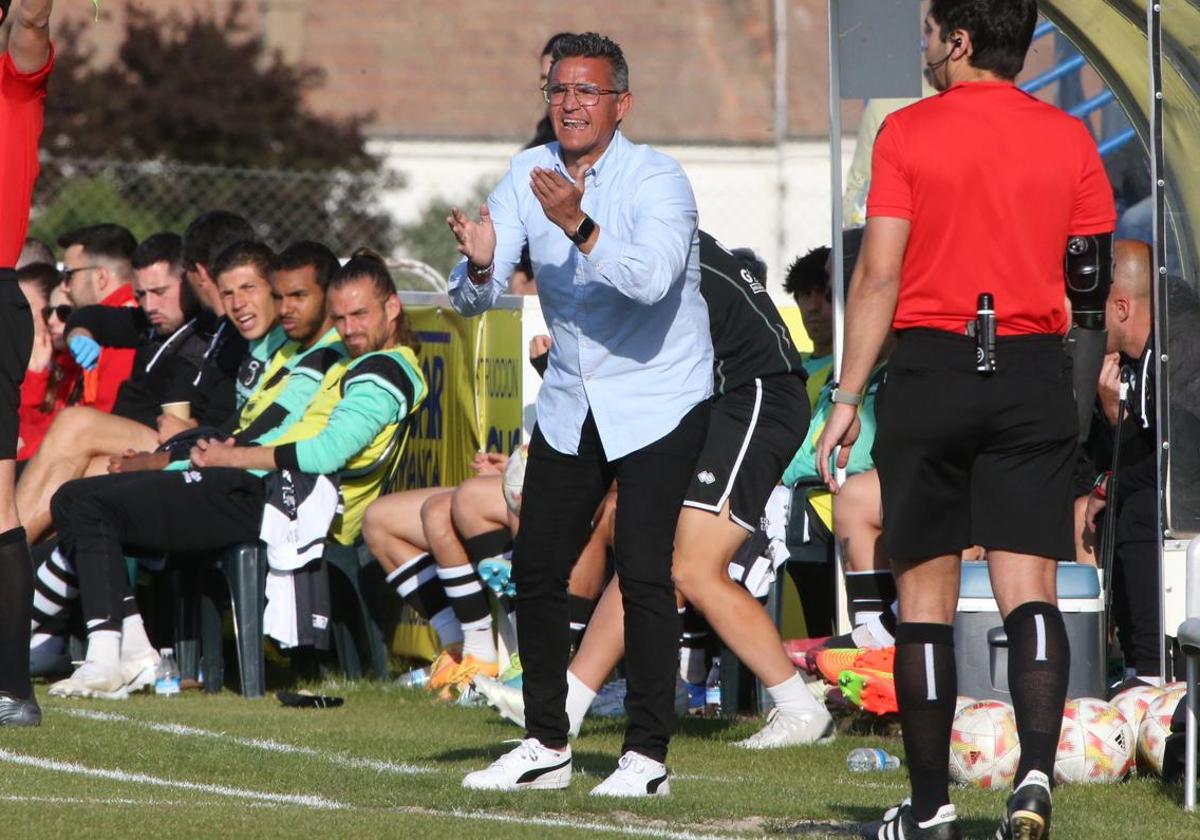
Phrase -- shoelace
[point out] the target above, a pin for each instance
(634, 762)
(526, 751)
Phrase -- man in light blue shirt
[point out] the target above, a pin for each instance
(612, 233)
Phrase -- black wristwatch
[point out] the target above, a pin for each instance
(585, 229)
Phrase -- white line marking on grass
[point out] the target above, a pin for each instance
(112, 800)
(566, 822)
(340, 759)
(305, 800)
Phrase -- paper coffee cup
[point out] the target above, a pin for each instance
(182, 410)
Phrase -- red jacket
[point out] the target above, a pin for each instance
(101, 383)
(35, 417)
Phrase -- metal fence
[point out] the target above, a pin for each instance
(343, 209)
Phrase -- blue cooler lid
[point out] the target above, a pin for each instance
(1075, 581)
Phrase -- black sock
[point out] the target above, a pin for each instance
(926, 689)
(580, 610)
(416, 582)
(55, 591)
(693, 646)
(1039, 663)
(16, 605)
(492, 544)
(869, 594)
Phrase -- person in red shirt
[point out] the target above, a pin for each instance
(980, 190)
(52, 380)
(24, 69)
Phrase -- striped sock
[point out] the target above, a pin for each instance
(55, 590)
(469, 601)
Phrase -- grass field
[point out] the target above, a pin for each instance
(389, 764)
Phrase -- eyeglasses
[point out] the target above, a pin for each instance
(63, 311)
(585, 95)
(66, 273)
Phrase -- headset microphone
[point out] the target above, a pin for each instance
(938, 65)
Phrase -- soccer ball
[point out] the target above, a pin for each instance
(1156, 726)
(1132, 703)
(962, 702)
(514, 479)
(1096, 743)
(984, 749)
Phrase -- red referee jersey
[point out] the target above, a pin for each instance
(994, 182)
(22, 106)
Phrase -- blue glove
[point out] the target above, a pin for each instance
(85, 350)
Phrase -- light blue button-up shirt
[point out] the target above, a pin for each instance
(630, 329)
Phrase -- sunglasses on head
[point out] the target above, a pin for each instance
(63, 311)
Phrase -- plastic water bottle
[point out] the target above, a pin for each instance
(866, 760)
(166, 678)
(712, 690)
(416, 678)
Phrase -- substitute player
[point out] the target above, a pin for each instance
(981, 190)
(24, 69)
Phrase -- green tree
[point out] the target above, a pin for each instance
(203, 96)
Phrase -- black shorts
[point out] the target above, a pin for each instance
(753, 434)
(16, 343)
(971, 459)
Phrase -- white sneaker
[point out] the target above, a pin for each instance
(635, 776)
(508, 701)
(92, 679)
(791, 730)
(528, 767)
(140, 673)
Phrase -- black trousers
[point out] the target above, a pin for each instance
(101, 519)
(560, 497)
(1136, 587)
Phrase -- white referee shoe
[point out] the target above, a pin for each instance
(635, 776)
(791, 730)
(530, 766)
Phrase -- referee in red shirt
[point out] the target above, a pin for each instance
(980, 190)
(24, 69)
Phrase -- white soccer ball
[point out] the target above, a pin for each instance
(962, 701)
(984, 749)
(514, 478)
(1132, 702)
(1156, 726)
(1096, 743)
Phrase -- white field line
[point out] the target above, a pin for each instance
(305, 800)
(566, 822)
(339, 759)
(112, 800)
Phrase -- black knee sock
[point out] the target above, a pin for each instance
(1039, 663)
(693, 646)
(580, 610)
(16, 605)
(416, 582)
(55, 591)
(926, 688)
(491, 544)
(869, 594)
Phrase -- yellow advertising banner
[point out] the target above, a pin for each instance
(473, 368)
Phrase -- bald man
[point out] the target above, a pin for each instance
(1136, 585)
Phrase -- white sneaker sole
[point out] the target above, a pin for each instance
(121, 693)
(663, 790)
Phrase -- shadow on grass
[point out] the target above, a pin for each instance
(864, 822)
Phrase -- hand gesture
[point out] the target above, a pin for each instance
(476, 240)
(489, 463)
(560, 199)
(43, 351)
(539, 345)
(841, 429)
(210, 452)
(1109, 386)
(85, 350)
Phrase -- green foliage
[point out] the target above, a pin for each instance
(429, 239)
(93, 199)
(222, 123)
